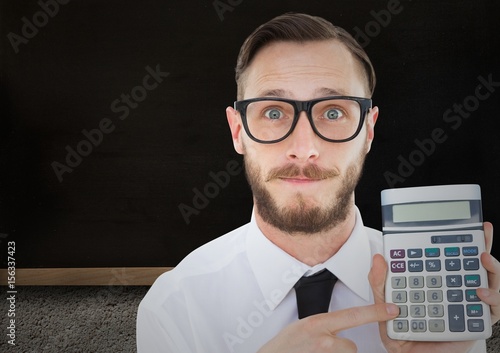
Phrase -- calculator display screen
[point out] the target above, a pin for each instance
(431, 211)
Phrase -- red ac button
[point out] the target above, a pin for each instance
(398, 266)
(397, 253)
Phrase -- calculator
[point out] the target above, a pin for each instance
(433, 238)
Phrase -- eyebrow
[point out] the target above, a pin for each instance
(281, 93)
(324, 91)
(331, 92)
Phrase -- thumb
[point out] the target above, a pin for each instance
(377, 277)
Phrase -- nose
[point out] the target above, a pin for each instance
(303, 142)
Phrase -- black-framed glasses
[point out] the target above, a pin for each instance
(334, 119)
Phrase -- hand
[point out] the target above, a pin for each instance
(318, 333)
(490, 296)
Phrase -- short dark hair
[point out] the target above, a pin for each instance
(297, 27)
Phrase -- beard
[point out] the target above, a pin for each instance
(298, 217)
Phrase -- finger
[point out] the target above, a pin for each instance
(345, 319)
(488, 235)
(377, 277)
(491, 295)
(492, 298)
(493, 267)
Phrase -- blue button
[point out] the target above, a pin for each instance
(472, 280)
(452, 264)
(455, 295)
(433, 265)
(456, 318)
(432, 252)
(415, 266)
(471, 295)
(475, 325)
(470, 251)
(455, 251)
(414, 253)
(454, 281)
(471, 264)
(474, 310)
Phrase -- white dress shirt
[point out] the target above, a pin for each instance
(236, 293)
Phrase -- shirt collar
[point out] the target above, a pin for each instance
(352, 263)
(277, 272)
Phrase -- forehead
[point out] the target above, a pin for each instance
(304, 71)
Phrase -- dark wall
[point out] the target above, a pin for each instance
(138, 89)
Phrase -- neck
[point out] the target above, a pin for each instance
(310, 249)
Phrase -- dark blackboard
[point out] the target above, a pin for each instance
(138, 89)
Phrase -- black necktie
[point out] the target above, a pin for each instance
(314, 293)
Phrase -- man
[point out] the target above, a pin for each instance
(304, 124)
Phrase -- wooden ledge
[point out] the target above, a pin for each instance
(99, 276)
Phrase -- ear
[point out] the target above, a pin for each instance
(371, 120)
(236, 127)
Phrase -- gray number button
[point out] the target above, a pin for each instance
(398, 282)
(400, 325)
(436, 310)
(436, 325)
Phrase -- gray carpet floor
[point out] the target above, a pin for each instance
(86, 320)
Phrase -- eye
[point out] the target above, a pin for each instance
(333, 114)
(273, 114)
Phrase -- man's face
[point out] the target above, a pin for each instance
(303, 184)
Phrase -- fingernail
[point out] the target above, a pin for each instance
(392, 309)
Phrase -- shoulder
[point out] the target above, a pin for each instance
(206, 261)
(214, 254)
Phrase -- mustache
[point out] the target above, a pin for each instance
(311, 171)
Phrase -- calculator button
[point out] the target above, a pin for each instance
(417, 311)
(475, 325)
(414, 253)
(455, 251)
(471, 295)
(452, 264)
(397, 253)
(433, 265)
(456, 318)
(470, 251)
(398, 282)
(417, 296)
(435, 296)
(455, 295)
(471, 264)
(416, 281)
(418, 325)
(400, 325)
(472, 280)
(399, 297)
(454, 281)
(433, 281)
(403, 311)
(398, 266)
(474, 310)
(436, 325)
(436, 310)
(415, 266)
(432, 252)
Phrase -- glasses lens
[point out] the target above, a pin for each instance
(336, 119)
(269, 120)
